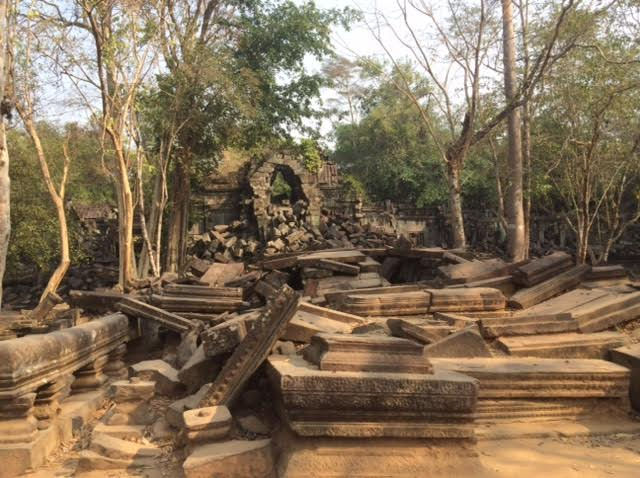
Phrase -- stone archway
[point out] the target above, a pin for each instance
(302, 181)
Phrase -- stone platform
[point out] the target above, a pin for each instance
(366, 404)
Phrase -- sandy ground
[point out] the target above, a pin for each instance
(584, 457)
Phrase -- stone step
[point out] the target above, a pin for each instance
(569, 345)
(366, 353)
(228, 459)
(541, 378)
(123, 450)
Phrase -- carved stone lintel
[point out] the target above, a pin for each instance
(48, 398)
(90, 377)
(116, 368)
(17, 423)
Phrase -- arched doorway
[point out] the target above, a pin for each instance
(281, 179)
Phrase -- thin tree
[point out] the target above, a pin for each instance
(5, 113)
(516, 242)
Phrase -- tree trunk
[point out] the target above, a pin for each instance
(125, 230)
(526, 159)
(145, 259)
(5, 183)
(514, 208)
(179, 220)
(5, 194)
(455, 203)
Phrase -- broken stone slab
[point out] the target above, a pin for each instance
(564, 302)
(174, 413)
(531, 296)
(425, 333)
(131, 399)
(598, 273)
(137, 309)
(337, 297)
(364, 404)
(540, 378)
(303, 326)
(218, 274)
(464, 299)
(474, 270)
(539, 270)
(366, 353)
(330, 265)
(332, 314)
(206, 424)
(504, 284)
(387, 304)
(607, 311)
(225, 337)
(206, 305)
(135, 454)
(133, 433)
(198, 370)
(97, 301)
(464, 343)
(629, 357)
(458, 321)
(160, 372)
(203, 291)
(569, 345)
(348, 256)
(528, 325)
(253, 349)
(231, 459)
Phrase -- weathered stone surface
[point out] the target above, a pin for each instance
(199, 370)
(425, 333)
(317, 402)
(464, 343)
(225, 337)
(207, 424)
(568, 345)
(387, 304)
(29, 362)
(108, 452)
(366, 353)
(607, 311)
(531, 377)
(160, 372)
(255, 347)
(138, 309)
(530, 296)
(564, 302)
(231, 459)
(330, 265)
(253, 424)
(203, 291)
(528, 325)
(305, 325)
(218, 274)
(134, 389)
(465, 299)
(473, 270)
(539, 270)
(174, 414)
(206, 305)
(629, 356)
(97, 301)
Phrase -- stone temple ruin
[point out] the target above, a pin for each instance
(353, 351)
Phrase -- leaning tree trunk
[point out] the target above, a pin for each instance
(179, 219)
(455, 203)
(514, 208)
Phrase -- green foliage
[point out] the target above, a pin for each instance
(389, 151)
(352, 188)
(35, 230)
(280, 188)
(310, 153)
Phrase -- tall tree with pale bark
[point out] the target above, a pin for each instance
(6, 11)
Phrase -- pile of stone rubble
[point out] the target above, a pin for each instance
(339, 347)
